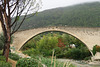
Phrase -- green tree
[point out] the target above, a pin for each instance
(46, 44)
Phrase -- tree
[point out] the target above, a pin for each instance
(10, 12)
(47, 44)
(60, 43)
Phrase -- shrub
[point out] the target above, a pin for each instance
(28, 45)
(77, 54)
(60, 52)
(2, 58)
(31, 51)
(94, 50)
(46, 45)
(46, 52)
(3, 62)
(28, 62)
(46, 61)
(14, 56)
(72, 54)
(1, 51)
(57, 50)
(2, 40)
(87, 58)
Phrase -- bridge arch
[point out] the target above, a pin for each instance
(82, 34)
(52, 31)
(89, 36)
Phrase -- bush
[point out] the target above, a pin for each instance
(46, 52)
(73, 54)
(46, 61)
(28, 45)
(14, 56)
(1, 51)
(60, 52)
(2, 58)
(3, 62)
(46, 45)
(2, 40)
(28, 62)
(57, 50)
(77, 54)
(31, 51)
(94, 50)
(87, 58)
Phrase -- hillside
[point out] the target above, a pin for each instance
(82, 15)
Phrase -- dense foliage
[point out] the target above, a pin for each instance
(2, 40)
(45, 43)
(82, 15)
(77, 54)
(28, 62)
(3, 62)
(39, 61)
(14, 56)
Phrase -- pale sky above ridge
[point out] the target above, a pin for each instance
(49, 4)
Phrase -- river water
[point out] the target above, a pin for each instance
(78, 63)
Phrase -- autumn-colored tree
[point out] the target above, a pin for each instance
(60, 43)
(14, 9)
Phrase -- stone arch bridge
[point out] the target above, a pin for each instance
(89, 36)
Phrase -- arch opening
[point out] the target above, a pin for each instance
(51, 32)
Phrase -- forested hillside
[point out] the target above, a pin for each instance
(82, 15)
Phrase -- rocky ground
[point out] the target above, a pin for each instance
(81, 63)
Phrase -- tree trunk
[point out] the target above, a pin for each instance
(7, 46)
(6, 51)
(7, 35)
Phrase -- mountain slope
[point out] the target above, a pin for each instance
(82, 15)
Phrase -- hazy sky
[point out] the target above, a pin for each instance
(49, 4)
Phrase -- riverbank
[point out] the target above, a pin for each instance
(79, 63)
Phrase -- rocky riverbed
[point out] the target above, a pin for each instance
(81, 63)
